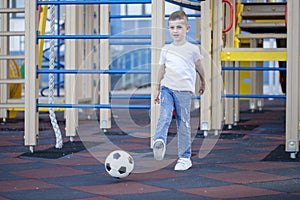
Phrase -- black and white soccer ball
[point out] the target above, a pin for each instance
(119, 164)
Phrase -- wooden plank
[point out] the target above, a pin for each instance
(12, 10)
(206, 103)
(217, 82)
(12, 33)
(73, 13)
(12, 57)
(105, 84)
(9, 81)
(157, 41)
(229, 76)
(262, 25)
(31, 82)
(293, 75)
(253, 54)
(4, 64)
(7, 105)
(262, 36)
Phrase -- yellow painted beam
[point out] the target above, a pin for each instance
(253, 56)
(40, 109)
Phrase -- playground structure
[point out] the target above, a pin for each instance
(223, 47)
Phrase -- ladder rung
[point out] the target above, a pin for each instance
(253, 54)
(269, 10)
(254, 50)
(12, 10)
(262, 25)
(263, 15)
(11, 81)
(11, 57)
(4, 105)
(262, 36)
(13, 33)
(16, 101)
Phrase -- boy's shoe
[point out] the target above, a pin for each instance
(183, 164)
(159, 149)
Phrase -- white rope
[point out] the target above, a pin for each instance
(59, 142)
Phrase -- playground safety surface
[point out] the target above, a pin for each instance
(245, 162)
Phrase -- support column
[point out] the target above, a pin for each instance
(206, 103)
(31, 79)
(217, 82)
(72, 56)
(157, 41)
(105, 84)
(96, 55)
(88, 57)
(253, 79)
(81, 28)
(229, 75)
(4, 64)
(239, 9)
(293, 75)
(256, 84)
(197, 25)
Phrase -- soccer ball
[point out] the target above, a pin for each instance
(119, 164)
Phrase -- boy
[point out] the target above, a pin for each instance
(179, 63)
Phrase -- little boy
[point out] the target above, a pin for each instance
(179, 63)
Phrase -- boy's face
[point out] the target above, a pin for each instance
(178, 29)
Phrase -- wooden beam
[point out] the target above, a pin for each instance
(157, 42)
(253, 54)
(293, 75)
(31, 81)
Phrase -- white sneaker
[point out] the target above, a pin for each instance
(183, 164)
(159, 149)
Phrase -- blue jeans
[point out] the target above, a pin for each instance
(181, 101)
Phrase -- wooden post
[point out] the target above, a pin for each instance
(197, 25)
(229, 75)
(206, 103)
(217, 82)
(31, 79)
(253, 79)
(105, 85)
(95, 56)
(157, 41)
(256, 84)
(4, 64)
(71, 62)
(81, 28)
(89, 56)
(293, 75)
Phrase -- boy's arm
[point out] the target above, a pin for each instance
(200, 70)
(160, 75)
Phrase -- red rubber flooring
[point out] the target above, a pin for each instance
(229, 166)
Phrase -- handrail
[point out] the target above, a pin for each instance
(231, 16)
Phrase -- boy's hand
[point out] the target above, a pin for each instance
(202, 88)
(156, 97)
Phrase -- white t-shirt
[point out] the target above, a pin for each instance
(180, 62)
